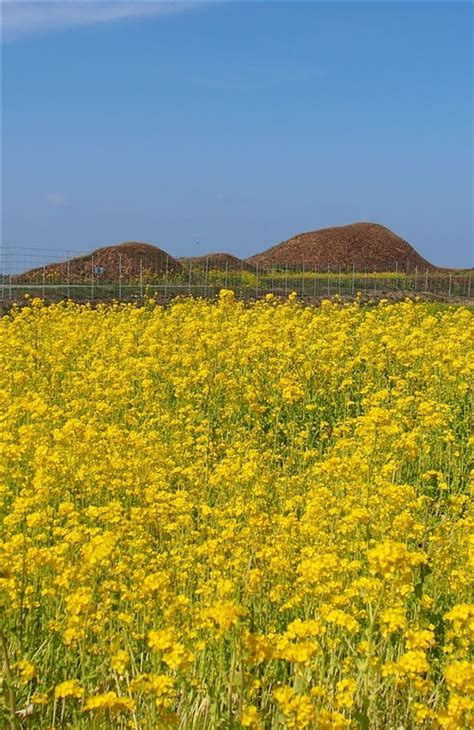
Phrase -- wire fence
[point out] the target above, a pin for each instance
(130, 275)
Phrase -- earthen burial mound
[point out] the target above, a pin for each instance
(217, 261)
(127, 261)
(364, 246)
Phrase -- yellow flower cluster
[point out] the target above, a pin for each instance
(219, 514)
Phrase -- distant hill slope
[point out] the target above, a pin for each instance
(108, 263)
(217, 261)
(362, 245)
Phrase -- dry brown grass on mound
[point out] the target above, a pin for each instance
(362, 245)
(126, 259)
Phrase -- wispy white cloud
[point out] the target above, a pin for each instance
(57, 200)
(24, 18)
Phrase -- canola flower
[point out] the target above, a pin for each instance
(239, 516)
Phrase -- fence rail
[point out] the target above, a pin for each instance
(129, 276)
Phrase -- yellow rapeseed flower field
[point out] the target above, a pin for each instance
(220, 515)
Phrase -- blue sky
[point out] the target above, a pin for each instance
(236, 125)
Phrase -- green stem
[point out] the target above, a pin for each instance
(8, 674)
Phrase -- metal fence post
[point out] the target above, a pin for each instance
(256, 283)
(206, 274)
(92, 278)
(302, 281)
(469, 286)
(68, 276)
(353, 279)
(44, 282)
(10, 287)
(141, 280)
(450, 282)
(189, 279)
(286, 281)
(226, 278)
(120, 275)
(329, 282)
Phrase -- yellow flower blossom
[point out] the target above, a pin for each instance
(69, 688)
(119, 661)
(250, 717)
(460, 676)
(297, 709)
(26, 670)
(109, 701)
